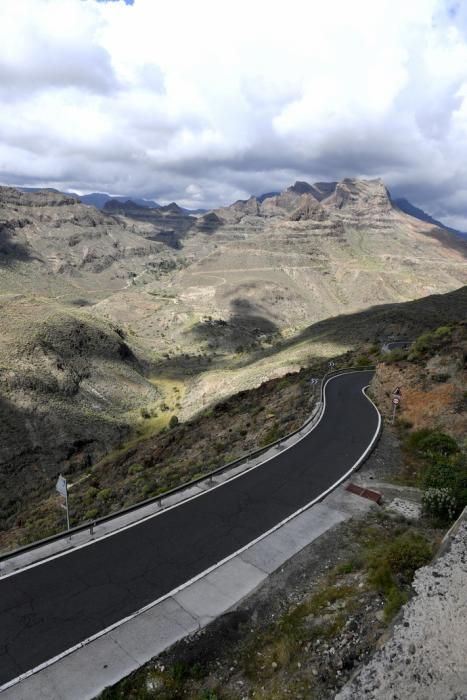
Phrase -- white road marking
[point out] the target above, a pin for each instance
(92, 638)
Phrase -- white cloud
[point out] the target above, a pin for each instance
(205, 102)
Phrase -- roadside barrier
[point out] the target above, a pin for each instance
(90, 525)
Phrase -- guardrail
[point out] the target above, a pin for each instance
(91, 524)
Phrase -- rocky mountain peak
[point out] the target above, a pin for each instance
(355, 193)
(10, 196)
(300, 187)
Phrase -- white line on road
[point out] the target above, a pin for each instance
(92, 638)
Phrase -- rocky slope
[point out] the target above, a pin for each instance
(67, 384)
(310, 253)
(50, 242)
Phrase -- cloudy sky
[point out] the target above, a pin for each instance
(206, 102)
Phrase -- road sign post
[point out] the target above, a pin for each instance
(395, 403)
(62, 488)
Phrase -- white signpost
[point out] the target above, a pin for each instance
(62, 488)
(395, 403)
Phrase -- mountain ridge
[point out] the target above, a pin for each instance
(320, 191)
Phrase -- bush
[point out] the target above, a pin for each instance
(135, 469)
(431, 443)
(439, 503)
(397, 559)
(446, 474)
(173, 421)
(407, 553)
(271, 435)
(423, 343)
(380, 576)
(395, 599)
(442, 332)
(395, 355)
(91, 514)
(438, 443)
(430, 341)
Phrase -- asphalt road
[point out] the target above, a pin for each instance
(396, 344)
(51, 607)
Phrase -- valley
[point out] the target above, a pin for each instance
(104, 312)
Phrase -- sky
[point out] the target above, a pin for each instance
(207, 102)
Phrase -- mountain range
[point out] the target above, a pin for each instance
(102, 200)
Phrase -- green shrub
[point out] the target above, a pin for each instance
(91, 514)
(380, 576)
(407, 553)
(395, 599)
(427, 342)
(362, 361)
(395, 355)
(135, 469)
(104, 494)
(446, 474)
(90, 494)
(397, 559)
(423, 343)
(431, 443)
(438, 444)
(439, 503)
(173, 421)
(271, 435)
(442, 332)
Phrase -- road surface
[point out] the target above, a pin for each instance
(396, 345)
(50, 607)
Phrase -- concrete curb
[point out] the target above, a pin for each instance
(124, 649)
(241, 463)
(187, 597)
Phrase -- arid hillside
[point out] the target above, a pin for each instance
(105, 313)
(216, 431)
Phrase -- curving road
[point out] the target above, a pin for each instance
(51, 607)
(396, 345)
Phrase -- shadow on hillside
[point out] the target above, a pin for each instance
(39, 442)
(172, 226)
(376, 324)
(449, 239)
(10, 250)
(20, 471)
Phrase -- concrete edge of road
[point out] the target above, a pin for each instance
(121, 648)
(74, 536)
(66, 543)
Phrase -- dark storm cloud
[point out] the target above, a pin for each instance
(129, 99)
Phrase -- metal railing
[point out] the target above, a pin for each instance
(92, 524)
